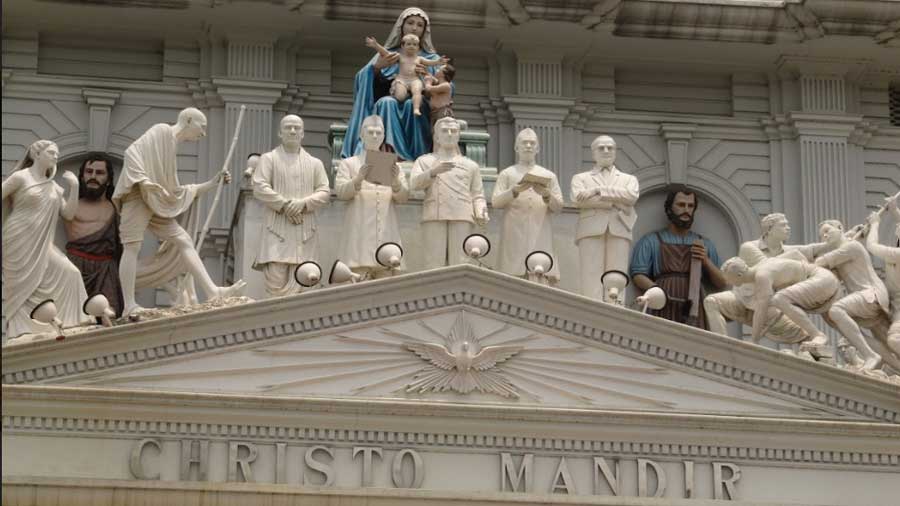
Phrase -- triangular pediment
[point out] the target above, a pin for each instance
(459, 335)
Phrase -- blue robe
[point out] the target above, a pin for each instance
(409, 135)
(645, 258)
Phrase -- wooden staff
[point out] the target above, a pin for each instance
(215, 202)
(696, 277)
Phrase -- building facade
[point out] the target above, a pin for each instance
(761, 105)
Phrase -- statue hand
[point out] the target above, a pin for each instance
(371, 42)
(386, 61)
(442, 167)
(395, 172)
(482, 218)
(445, 59)
(293, 209)
(873, 219)
(70, 179)
(891, 203)
(226, 176)
(698, 251)
(541, 190)
(860, 229)
(521, 187)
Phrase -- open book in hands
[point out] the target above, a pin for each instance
(536, 179)
(382, 171)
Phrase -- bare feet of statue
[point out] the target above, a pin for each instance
(223, 292)
(417, 112)
(871, 363)
(818, 347)
(133, 313)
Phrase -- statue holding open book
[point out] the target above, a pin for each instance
(531, 195)
(372, 182)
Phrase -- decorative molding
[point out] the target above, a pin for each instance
(603, 15)
(100, 103)
(792, 66)
(514, 11)
(551, 317)
(890, 36)
(805, 22)
(678, 138)
(492, 442)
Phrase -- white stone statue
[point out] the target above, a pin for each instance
(528, 224)
(891, 257)
(867, 297)
(794, 287)
(454, 196)
(370, 219)
(293, 185)
(408, 81)
(34, 269)
(737, 304)
(606, 198)
(252, 164)
(149, 196)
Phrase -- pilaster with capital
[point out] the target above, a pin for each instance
(544, 101)
(819, 121)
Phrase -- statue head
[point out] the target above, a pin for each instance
(446, 132)
(776, 226)
(415, 21)
(253, 160)
(736, 271)
(681, 204)
(527, 145)
(95, 177)
(252, 163)
(604, 150)
(191, 124)
(290, 130)
(446, 73)
(410, 44)
(42, 154)
(372, 132)
(831, 232)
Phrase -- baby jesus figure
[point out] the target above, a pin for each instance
(407, 80)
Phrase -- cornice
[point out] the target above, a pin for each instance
(43, 410)
(501, 296)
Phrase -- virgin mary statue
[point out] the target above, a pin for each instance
(408, 135)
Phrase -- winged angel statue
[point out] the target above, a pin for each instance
(463, 364)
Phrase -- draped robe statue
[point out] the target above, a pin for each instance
(370, 219)
(292, 184)
(527, 225)
(34, 269)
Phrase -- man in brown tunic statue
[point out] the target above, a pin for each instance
(92, 233)
(664, 258)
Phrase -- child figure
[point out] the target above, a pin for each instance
(407, 80)
(440, 92)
